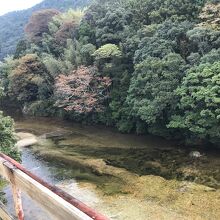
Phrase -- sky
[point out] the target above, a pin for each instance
(15, 5)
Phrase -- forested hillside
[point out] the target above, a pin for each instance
(12, 24)
(142, 66)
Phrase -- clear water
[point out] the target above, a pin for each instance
(55, 160)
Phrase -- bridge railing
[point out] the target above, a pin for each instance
(56, 202)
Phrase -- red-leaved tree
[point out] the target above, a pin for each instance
(82, 91)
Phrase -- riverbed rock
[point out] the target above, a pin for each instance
(24, 135)
(25, 139)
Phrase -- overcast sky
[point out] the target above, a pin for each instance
(15, 5)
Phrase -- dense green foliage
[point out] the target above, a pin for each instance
(151, 93)
(161, 57)
(7, 138)
(199, 106)
(29, 80)
(12, 24)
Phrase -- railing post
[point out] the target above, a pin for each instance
(16, 192)
(18, 202)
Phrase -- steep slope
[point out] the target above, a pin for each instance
(12, 24)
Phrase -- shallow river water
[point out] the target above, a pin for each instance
(122, 176)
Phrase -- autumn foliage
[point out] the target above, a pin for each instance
(82, 91)
(38, 24)
(63, 26)
(210, 16)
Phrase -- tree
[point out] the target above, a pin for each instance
(83, 91)
(146, 12)
(87, 52)
(151, 94)
(109, 29)
(204, 39)
(106, 54)
(86, 32)
(198, 113)
(29, 80)
(210, 16)
(6, 68)
(54, 65)
(63, 26)
(20, 49)
(71, 55)
(38, 24)
(176, 32)
(162, 39)
(108, 51)
(7, 138)
(211, 57)
(153, 47)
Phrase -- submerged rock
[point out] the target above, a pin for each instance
(55, 135)
(155, 167)
(195, 154)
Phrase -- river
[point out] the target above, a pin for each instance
(122, 176)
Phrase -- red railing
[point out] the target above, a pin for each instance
(58, 203)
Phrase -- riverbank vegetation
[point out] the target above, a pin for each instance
(141, 66)
(7, 137)
(7, 143)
